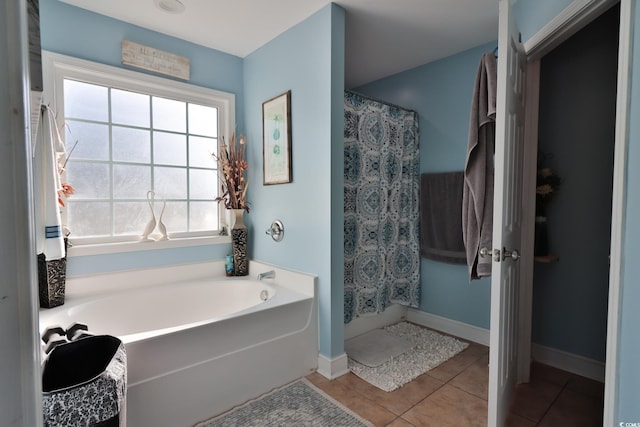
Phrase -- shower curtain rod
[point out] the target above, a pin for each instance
(370, 98)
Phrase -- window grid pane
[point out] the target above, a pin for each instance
(120, 173)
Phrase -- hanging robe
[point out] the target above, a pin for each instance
(49, 235)
(477, 198)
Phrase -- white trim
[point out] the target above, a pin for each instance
(569, 362)
(578, 14)
(20, 388)
(525, 303)
(573, 18)
(448, 326)
(135, 246)
(55, 65)
(58, 67)
(333, 368)
(625, 60)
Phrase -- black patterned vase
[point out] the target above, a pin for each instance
(238, 234)
(52, 277)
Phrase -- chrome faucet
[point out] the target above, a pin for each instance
(267, 275)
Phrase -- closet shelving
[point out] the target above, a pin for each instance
(547, 258)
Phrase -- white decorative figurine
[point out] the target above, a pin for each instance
(151, 225)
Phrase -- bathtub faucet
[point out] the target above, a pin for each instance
(267, 275)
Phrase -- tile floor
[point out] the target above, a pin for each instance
(455, 394)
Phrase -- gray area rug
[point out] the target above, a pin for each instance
(430, 349)
(297, 404)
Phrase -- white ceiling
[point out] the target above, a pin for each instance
(383, 37)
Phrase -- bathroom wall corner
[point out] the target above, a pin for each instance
(333, 368)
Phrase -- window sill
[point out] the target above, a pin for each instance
(122, 247)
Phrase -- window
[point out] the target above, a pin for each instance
(129, 133)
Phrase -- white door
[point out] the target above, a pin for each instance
(20, 384)
(506, 217)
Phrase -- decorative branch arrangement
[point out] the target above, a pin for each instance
(232, 169)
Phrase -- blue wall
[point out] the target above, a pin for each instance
(441, 93)
(533, 15)
(76, 32)
(308, 59)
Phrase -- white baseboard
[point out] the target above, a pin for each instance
(569, 362)
(333, 368)
(448, 326)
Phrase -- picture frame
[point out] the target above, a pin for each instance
(276, 140)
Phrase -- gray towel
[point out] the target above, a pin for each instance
(440, 217)
(477, 199)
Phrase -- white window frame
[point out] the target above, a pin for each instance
(57, 67)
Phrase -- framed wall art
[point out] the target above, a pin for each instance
(276, 139)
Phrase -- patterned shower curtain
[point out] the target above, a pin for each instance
(381, 217)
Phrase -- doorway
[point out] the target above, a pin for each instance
(548, 38)
(576, 140)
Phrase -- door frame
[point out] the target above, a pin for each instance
(573, 18)
(525, 309)
(19, 302)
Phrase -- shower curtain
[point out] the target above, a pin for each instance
(381, 217)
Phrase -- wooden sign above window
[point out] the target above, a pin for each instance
(151, 59)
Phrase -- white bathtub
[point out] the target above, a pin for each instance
(198, 343)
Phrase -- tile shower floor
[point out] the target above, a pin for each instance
(455, 394)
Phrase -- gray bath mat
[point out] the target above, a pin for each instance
(297, 404)
(376, 347)
(430, 350)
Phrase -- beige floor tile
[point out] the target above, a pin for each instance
(474, 379)
(574, 409)
(549, 374)
(552, 398)
(477, 349)
(317, 379)
(399, 400)
(399, 422)
(366, 408)
(448, 406)
(379, 416)
(458, 363)
(517, 421)
(586, 386)
(532, 400)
